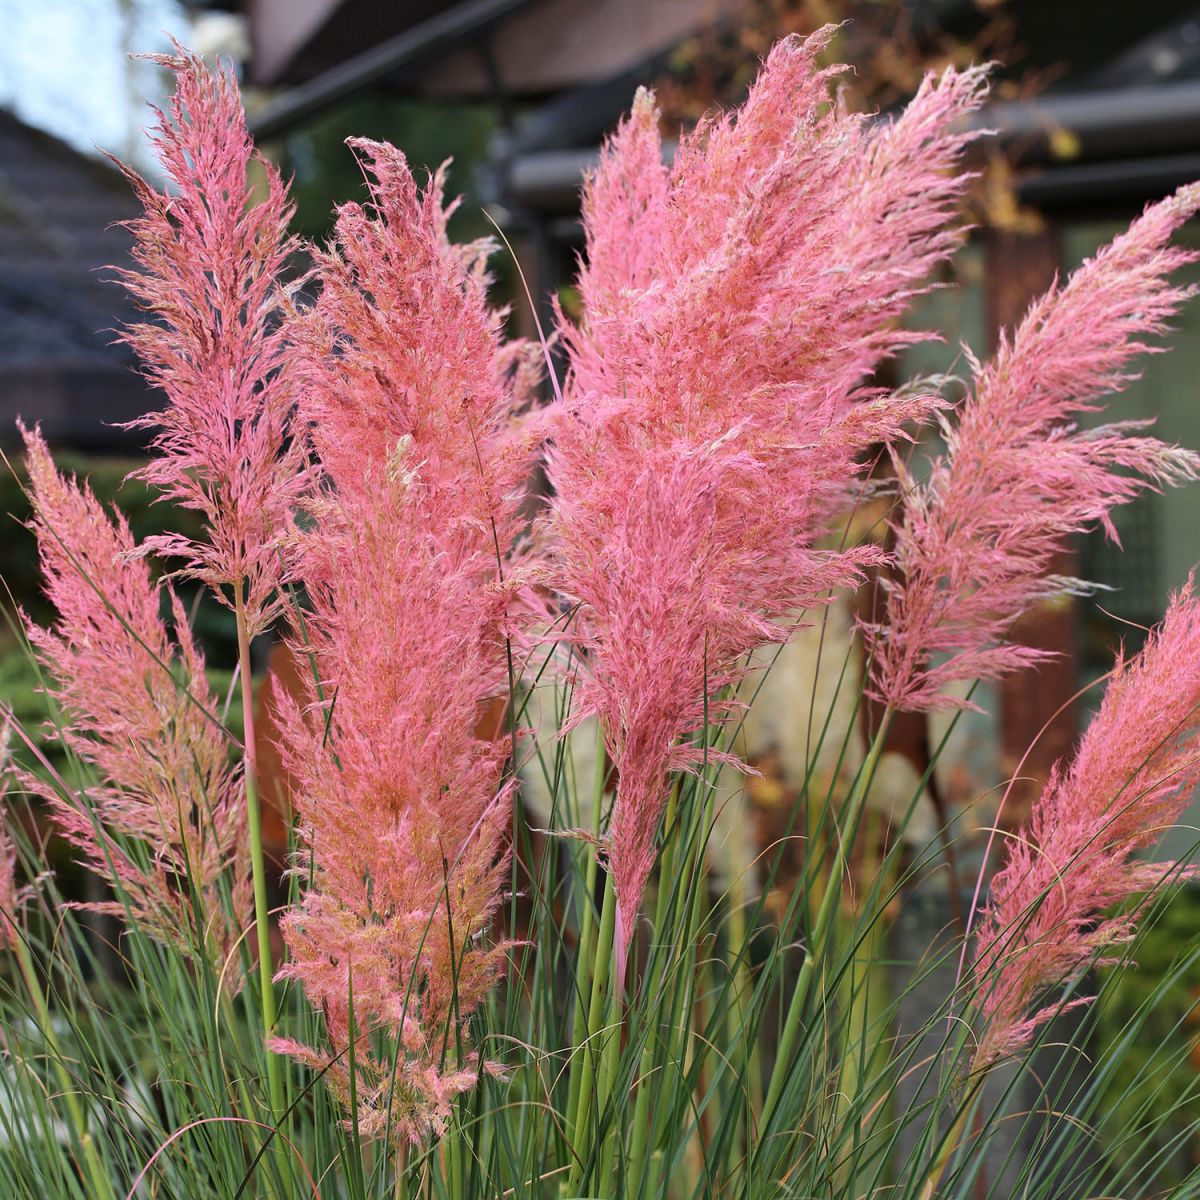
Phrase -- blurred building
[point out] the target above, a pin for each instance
(70, 88)
(1118, 123)
(59, 363)
(1113, 123)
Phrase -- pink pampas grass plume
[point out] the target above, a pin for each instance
(1132, 775)
(409, 398)
(210, 254)
(1018, 479)
(716, 417)
(413, 307)
(402, 810)
(138, 710)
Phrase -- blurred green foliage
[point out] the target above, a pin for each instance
(107, 478)
(1153, 1087)
(324, 173)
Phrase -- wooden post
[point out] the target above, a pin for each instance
(1020, 267)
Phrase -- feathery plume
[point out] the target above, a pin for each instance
(403, 806)
(165, 817)
(435, 335)
(1134, 772)
(1018, 479)
(210, 256)
(12, 898)
(716, 415)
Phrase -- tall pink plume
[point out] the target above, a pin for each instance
(1018, 479)
(138, 710)
(716, 417)
(435, 336)
(210, 254)
(408, 395)
(1134, 772)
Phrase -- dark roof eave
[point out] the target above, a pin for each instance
(426, 40)
(1118, 181)
(1106, 123)
(1131, 143)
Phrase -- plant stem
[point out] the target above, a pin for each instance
(949, 1145)
(684, 875)
(641, 1110)
(693, 1015)
(606, 1082)
(94, 1168)
(737, 957)
(641, 1121)
(401, 1190)
(596, 1012)
(262, 926)
(587, 927)
(865, 986)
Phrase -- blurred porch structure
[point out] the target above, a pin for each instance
(1118, 126)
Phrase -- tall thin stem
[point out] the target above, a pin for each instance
(587, 927)
(945, 1154)
(641, 1113)
(588, 1051)
(262, 925)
